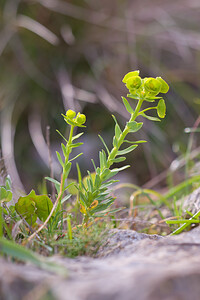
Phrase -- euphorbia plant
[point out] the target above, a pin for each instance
(94, 197)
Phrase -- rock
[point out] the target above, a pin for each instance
(192, 202)
(129, 266)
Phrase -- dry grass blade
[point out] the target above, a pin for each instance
(37, 28)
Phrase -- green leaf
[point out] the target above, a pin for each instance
(26, 207)
(77, 136)
(135, 142)
(150, 99)
(161, 108)
(89, 184)
(61, 135)
(65, 198)
(150, 117)
(104, 144)
(57, 183)
(64, 149)
(79, 175)
(117, 131)
(53, 180)
(114, 171)
(5, 195)
(76, 145)
(105, 174)
(117, 128)
(102, 159)
(119, 159)
(97, 181)
(44, 206)
(9, 196)
(76, 157)
(67, 168)
(135, 96)
(120, 169)
(8, 183)
(134, 126)
(95, 168)
(115, 142)
(127, 105)
(59, 158)
(72, 186)
(33, 206)
(127, 150)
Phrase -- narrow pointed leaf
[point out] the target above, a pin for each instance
(79, 175)
(76, 145)
(135, 142)
(64, 149)
(119, 159)
(117, 131)
(75, 157)
(104, 144)
(117, 128)
(127, 150)
(127, 105)
(59, 158)
(114, 171)
(61, 135)
(115, 142)
(150, 117)
(57, 183)
(94, 165)
(77, 136)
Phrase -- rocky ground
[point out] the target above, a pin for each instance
(130, 266)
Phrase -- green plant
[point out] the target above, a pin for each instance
(86, 240)
(6, 190)
(93, 195)
(94, 199)
(6, 212)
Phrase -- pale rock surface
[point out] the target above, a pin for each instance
(130, 266)
(192, 202)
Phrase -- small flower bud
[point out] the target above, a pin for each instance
(152, 85)
(134, 83)
(81, 118)
(70, 114)
(129, 75)
(164, 86)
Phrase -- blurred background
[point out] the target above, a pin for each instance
(61, 54)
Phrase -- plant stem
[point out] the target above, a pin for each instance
(126, 130)
(69, 228)
(68, 151)
(69, 144)
(1, 221)
(146, 109)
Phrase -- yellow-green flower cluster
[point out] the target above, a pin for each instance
(147, 88)
(75, 119)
